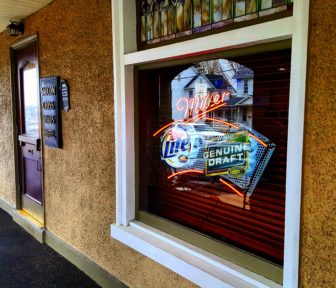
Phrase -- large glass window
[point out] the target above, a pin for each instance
(212, 148)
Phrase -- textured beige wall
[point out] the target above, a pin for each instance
(75, 42)
(7, 170)
(318, 228)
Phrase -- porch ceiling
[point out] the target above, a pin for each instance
(18, 10)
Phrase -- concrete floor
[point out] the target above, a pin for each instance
(24, 262)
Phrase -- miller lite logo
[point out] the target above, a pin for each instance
(175, 147)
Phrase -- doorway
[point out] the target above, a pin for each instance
(27, 132)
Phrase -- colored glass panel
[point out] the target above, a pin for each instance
(143, 28)
(205, 12)
(266, 4)
(278, 2)
(164, 22)
(197, 13)
(226, 9)
(251, 6)
(240, 8)
(149, 27)
(162, 18)
(179, 17)
(171, 20)
(217, 10)
(187, 14)
(156, 24)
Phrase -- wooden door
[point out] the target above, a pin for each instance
(28, 130)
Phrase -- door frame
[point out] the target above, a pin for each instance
(17, 45)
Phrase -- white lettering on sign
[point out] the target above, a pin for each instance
(200, 102)
(227, 154)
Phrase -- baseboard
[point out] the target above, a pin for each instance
(6, 207)
(35, 230)
(30, 226)
(88, 266)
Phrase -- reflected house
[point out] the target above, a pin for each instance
(244, 81)
(239, 107)
(203, 85)
(237, 94)
(238, 110)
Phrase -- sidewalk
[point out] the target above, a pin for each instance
(24, 262)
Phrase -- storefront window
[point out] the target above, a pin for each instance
(163, 20)
(213, 137)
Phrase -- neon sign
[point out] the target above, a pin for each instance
(232, 156)
(176, 147)
(230, 152)
(200, 103)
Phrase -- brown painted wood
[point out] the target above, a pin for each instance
(29, 151)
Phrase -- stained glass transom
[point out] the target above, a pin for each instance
(163, 20)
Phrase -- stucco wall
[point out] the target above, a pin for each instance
(7, 170)
(75, 42)
(318, 228)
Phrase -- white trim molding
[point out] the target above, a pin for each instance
(199, 266)
(196, 265)
(295, 142)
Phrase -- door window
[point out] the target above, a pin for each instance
(30, 99)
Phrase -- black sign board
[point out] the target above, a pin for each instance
(65, 95)
(49, 90)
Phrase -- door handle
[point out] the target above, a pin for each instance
(31, 151)
(39, 164)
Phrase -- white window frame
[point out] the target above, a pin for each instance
(193, 263)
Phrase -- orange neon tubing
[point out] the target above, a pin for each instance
(202, 114)
(232, 125)
(233, 189)
(221, 121)
(184, 172)
(164, 127)
(257, 139)
(171, 123)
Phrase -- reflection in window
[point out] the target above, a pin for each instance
(168, 19)
(212, 148)
(31, 100)
(217, 112)
(232, 82)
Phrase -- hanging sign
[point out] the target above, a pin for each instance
(65, 95)
(215, 148)
(49, 90)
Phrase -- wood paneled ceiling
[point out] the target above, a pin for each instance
(18, 10)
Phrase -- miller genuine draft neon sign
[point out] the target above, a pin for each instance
(231, 153)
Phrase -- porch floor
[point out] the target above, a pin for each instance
(24, 262)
